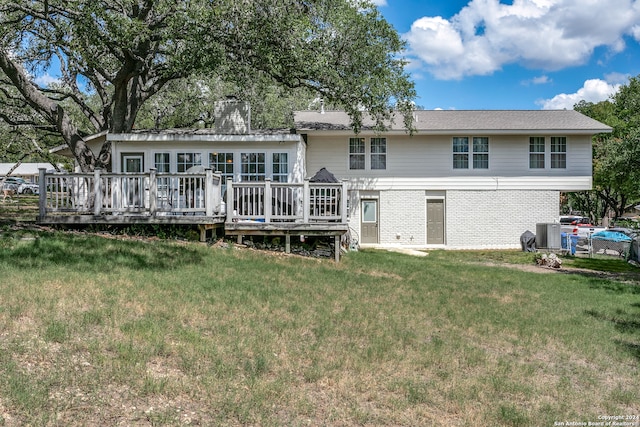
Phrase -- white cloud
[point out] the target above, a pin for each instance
(46, 79)
(540, 80)
(547, 34)
(379, 3)
(594, 90)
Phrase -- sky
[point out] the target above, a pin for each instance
(513, 54)
(516, 54)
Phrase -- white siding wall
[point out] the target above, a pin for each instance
(295, 150)
(423, 156)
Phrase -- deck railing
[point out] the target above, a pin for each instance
(267, 201)
(154, 194)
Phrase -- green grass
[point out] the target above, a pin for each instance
(99, 331)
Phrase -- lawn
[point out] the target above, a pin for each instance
(97, 331)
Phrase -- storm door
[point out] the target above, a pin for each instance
(369, 221)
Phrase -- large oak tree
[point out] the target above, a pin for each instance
(114, 55)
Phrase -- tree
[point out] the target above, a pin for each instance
(115, 55)
(616, 156)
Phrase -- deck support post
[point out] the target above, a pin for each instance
(42, 199)
(230, 211)
(287, 243)
(306, 202)
(97, 185)
(343, 202)
(337, 247)
(208, 191)
(267, 201)
(153, 192)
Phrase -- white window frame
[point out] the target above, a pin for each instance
(196, 160)
(558, 156)
(534, 142)
(360, 156)
(249, 175)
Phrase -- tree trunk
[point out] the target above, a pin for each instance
(51, 111)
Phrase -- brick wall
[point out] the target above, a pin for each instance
(496, 219)
(473, 219)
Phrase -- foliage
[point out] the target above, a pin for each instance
(115, 56)
(616, 156)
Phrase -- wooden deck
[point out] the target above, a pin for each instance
(250, 208)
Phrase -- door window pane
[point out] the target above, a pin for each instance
(369, 211)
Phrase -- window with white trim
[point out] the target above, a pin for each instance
(480, 152)
(223, 163)
(253, 167)
(188, 160)
(558, 152)
(536, 152)
(356, 153)
(161, 162)
(460, 152)
(378, 153)
(280, 167)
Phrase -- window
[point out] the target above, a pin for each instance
(188, 160)
(223, 163)
(356, 153)
(460, 152)
(253, 167)
(536, 152)
(161, 162)
(558, 152)
(378, 153)
(280, 167)
(480, 152)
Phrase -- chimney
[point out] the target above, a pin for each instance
(232, 117)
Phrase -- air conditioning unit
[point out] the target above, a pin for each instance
(548, 236)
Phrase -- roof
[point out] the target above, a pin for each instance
(207, 134)
(441, 121)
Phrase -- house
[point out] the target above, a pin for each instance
(462, 179)
(28, 171)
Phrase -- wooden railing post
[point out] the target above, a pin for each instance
(267, 200)
(229, 200)
(97, 186)
(306, 196)
(42, 199)
(344, 196)
(153, 192)
(208, 192)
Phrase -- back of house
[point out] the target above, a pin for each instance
(461, 179)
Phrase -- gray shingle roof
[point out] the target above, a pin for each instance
(461, 120)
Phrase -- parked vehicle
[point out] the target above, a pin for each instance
(22, 186)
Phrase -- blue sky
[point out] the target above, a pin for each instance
(516, 54)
